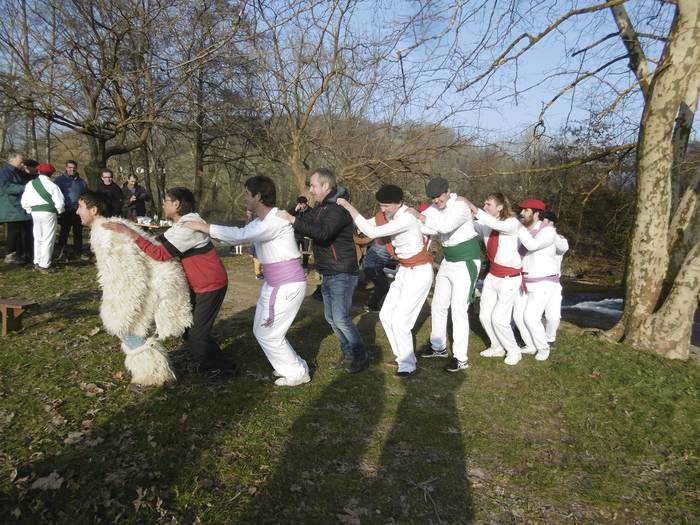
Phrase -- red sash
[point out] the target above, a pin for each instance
(496, 269)
(422, 257)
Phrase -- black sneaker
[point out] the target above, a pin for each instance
(358, 365)
(455, 365)
(428, 351)
(219, 376)
(340, 363)
(404, 375)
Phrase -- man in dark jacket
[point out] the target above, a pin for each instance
(71, 186)
(114, 195)
(331, 229)
(135, 198)
(19, 224)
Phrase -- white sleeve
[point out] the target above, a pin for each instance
(543, 239)
(256, 231)
(448, 222)
(24, 201)
(561, 244)
(508, 227)
(398, 225)
(58, 200)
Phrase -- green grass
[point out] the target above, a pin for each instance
(600, 433)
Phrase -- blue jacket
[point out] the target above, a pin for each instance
(71, 187)
(11, 189)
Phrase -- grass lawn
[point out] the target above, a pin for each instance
(598, 434)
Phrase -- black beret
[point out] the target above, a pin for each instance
(436, 187)
(389, 194)
(31, 163)
(302, 200)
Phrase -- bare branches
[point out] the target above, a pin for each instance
(638, 62)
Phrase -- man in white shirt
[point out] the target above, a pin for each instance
(552, 312)
(285, 280)
(44, 200)
(540, 277)
(411, 285)
(451, 219)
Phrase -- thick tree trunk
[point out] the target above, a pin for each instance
(662, 329)
(98, 161)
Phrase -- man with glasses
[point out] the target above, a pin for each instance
(114, 195)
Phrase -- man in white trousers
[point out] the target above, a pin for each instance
(498, 226)
(44, 200)
(540, 277)
(451, 219)
(412, 283)
(552, 312)
(285, 280)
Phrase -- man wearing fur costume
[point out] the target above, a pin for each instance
(205, 273)
(136, 292)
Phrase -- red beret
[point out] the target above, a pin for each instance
(533, 204)
(45, 168)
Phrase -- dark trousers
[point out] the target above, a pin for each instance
(20, 239)
(205, 350)
(381, 287)
(68, 221)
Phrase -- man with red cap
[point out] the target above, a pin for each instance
(44, 200)
(540, 277)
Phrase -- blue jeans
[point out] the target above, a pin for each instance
(337, 293)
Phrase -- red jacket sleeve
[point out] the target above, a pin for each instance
(154, 251)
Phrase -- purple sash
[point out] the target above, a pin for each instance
(278, 274)
(523, 252)
(551, 278)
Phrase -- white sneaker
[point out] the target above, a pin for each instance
(528, 350)
(513, 358)
(493, 352)
(542, 355)
(288, 381)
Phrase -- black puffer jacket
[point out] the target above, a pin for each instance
(330, 227)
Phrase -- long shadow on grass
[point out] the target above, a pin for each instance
(146, 461)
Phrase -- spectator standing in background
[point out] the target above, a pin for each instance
(115, 198)
(18, 223)
(71, 186)
(135, 198)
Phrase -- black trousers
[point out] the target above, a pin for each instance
(20, 239)
(381, 287)
(205, 350)
(70, 221)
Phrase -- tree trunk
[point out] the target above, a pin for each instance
(664, 328)
(98, 161)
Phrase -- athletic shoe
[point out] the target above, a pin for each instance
(493, 352)
(219, 376)
(288, 381)
(542, 355)
(455, 365)
(404, 375)
(429, 351)
(513, 358)
(528, 350)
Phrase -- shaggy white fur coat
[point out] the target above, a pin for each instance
(137, 292)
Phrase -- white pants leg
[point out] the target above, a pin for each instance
(400, 310)
(552, 314)
(273, 339)
(519, 318)
(452, 287)
(44, 231)
(496, 310)
(538, 295)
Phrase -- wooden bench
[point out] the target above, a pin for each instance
(11, 311)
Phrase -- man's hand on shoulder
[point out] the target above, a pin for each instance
(196, 226)
(118, 227)
(282, 214)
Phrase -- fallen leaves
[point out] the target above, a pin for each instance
(91, 389)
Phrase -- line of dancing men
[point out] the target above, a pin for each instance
(522, 283)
